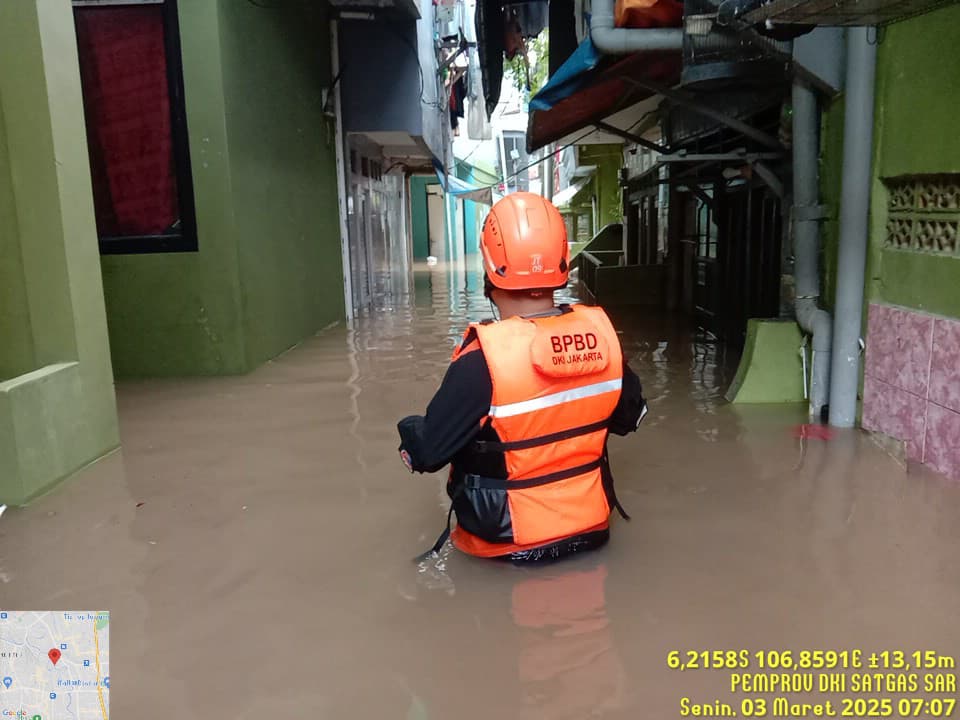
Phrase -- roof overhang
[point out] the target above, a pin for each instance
(635, 120)
(607, 94)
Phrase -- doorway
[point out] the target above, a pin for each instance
(435, 222)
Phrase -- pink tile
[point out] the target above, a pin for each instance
(896, 413)
(945, 365)
(943, 441)
(898, 348)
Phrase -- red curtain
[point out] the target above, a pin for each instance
(123, 70)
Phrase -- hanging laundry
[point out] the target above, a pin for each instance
(478, 126)
(446, 17)
(489, 24)
(458, 93)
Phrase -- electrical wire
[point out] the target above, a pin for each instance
(416, 56)
(574, 142)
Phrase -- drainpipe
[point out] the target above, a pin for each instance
(612, 40)
(854, 209)
(810, 316)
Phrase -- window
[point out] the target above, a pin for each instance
(923, 214)
(132, 86)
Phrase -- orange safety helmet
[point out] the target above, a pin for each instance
(524, 244)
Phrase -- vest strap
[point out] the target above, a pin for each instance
(486, 446)
(607, 478)
(485, 483)
(441, 541)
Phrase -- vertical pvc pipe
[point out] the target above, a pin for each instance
(854, 211)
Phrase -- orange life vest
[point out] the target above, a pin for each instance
(556, 381)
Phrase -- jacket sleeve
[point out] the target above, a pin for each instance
(454, 415)
(632, 406)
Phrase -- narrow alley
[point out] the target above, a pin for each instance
(253, 540)
(240, 244)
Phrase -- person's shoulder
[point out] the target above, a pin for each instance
(592, 310)
(469, 345)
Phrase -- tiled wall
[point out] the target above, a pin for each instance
(912, 384)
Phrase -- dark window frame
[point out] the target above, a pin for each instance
(186, 239)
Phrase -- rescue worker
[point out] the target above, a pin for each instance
(524, 410)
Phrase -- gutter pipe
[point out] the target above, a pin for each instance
(810, 316)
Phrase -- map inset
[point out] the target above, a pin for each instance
(54, 665)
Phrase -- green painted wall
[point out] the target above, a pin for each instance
(179, 314)
(918, 87)
(62, 414)
(418, 215)
(16, 341)
(282, 172)
(268, 271)
(606, 181)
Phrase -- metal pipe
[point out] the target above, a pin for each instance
(854, 210)
(612, 40)
(810, 316)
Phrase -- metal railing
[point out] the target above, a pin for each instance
(590, 262)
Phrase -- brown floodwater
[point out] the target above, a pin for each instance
(268, 572)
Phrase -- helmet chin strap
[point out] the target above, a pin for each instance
(488, 293)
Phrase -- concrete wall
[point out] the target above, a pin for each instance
(380, 81)
(912, 372)
(389, 79)
(268, 270)
(918, 86)
(179, 313)
(918, 67)
(16, 347)
(61, 414)
(435, 105)
(282, 172)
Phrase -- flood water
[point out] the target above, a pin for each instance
(268, 572)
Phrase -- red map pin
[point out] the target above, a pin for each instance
(54, 655)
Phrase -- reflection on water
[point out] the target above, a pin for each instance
(253, 541)
(567, 663)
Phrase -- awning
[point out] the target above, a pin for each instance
(458, 188)
(565, 196)
(587, 89)
(569, 77)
